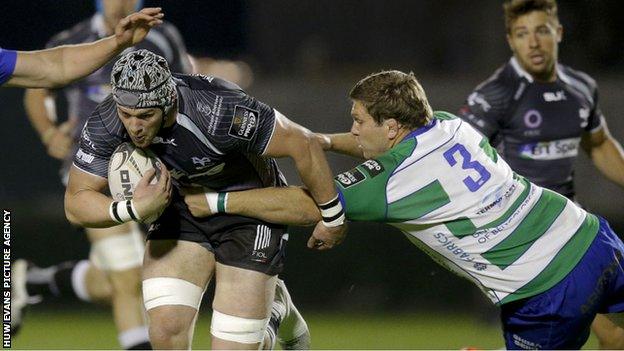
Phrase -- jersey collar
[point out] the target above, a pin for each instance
(519, 70)
(421, 130)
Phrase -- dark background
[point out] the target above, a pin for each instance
(305, 56)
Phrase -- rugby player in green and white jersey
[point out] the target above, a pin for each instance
(549, 264)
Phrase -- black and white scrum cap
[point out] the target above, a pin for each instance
(141, 79)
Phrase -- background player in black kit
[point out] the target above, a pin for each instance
(537, 112)
(210, 134)
(112, 273)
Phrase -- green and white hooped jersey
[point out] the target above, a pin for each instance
(445, 187)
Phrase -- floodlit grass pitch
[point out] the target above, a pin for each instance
(95, 330)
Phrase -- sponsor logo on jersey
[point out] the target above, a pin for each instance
(373, 168)
(550, 150)
(160, 140)
(244, 123)
(261, 243)
(86, 137)
(204, 109)
(525, 344)
(453, 248)
(485, 235)
(497, 200)
(480, 266)
(214, 113)
(84, 157)
(533, 118)
(201, 163)
(350, 178)
(478, 99)
(556, 96)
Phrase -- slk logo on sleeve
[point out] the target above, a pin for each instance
(244, 123)
(373, 168)
(350, 178)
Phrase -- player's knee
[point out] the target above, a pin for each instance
(238, 329)
(168, 331)
(120, 252)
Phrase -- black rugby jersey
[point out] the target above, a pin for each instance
(217, 141)
(536, 126)
(84, 95)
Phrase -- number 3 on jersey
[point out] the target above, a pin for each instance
(472, 184)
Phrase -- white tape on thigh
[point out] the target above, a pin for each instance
(237, 329)
(119, 252)
(171, 291)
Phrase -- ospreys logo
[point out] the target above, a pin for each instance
(244, 123)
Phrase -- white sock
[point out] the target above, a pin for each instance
(79, 280)
(133, 337)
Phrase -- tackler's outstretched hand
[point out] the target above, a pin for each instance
(150, 200)
(134, 28)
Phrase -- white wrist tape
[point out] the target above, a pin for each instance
(217, 202)
(123, 211)
(332, 212)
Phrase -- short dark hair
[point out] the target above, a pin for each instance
(516, 8)
(393, 94)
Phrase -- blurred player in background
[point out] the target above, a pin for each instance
(56, 67)
(537, 112)
(211, 134)
(532, 251)
(112, 273)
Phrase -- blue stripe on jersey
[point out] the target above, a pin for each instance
(7, 64)
(420, 130)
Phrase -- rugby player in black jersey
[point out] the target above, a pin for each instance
(210, 135)
(539, 112)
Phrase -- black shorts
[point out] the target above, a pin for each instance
(237, 241)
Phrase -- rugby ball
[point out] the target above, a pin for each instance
(127, 166)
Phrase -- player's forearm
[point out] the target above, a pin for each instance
(34, 104)
(80, 60)
(289, 205)
(59, 66)
(314, 170)
(88, 208)
(608, 157)
(345, 143)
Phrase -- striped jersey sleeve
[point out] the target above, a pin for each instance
(102, 133)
